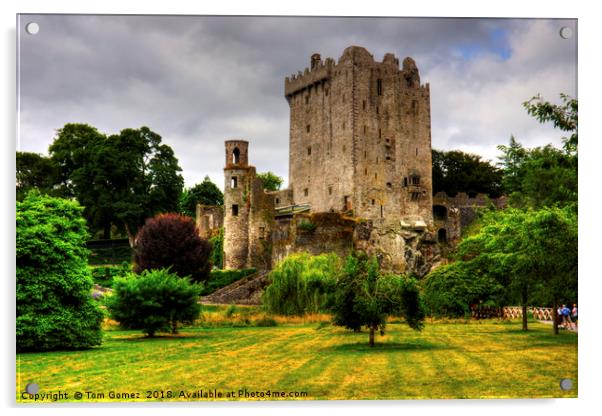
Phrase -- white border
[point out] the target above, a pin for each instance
(589, 97)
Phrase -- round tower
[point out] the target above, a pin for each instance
(236, 204)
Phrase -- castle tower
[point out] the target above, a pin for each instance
(360, 137)
(248, 212)
(236, 207)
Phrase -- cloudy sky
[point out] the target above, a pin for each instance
(198, 81)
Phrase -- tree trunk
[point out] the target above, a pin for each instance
(372, 328)
(555, 315)
(174, 326)
(106, 233)
(131, 236)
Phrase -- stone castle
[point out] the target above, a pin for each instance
(360, 172)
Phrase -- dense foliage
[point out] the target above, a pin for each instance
(120, 179)
(455, 171)
(302, 283)
(172, 241)
(204, 193)
(105, 275)
(270, 180)
(217, 249)
(544, 176)
(530, 253)
(154, 301)
(54, 305)
(35, 171)
(365, 297)
(221, 278)
(539, 177)
(451, 289)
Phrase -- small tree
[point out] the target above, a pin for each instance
(364, 297)
(154, 301)
(54, 305)
(271, 181)
(172, 240)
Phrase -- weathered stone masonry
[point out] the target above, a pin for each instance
(360, 171)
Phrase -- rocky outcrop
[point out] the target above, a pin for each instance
(402, 247)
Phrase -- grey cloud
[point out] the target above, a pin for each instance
(198, 80)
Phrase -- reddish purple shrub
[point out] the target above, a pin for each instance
(172, 240)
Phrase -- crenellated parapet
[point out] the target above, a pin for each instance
(320, 71)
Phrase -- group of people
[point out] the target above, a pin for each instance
(568, 317)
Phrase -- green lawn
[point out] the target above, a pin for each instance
(486, 359)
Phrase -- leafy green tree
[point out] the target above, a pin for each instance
(154, 301)
(455, 171)
(301, 284)
(270, 180)
(451, 289)
(364, 297)
(35, 171)
(539, 177)
(172, 241)
(205, 193)
(564, 117)
(121, 179)
(54, 305)
(72, 150)
(528, 252)
(544, 176)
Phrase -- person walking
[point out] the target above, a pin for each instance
(574, 314)
(566, 317)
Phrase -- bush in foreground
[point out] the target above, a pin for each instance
(54, 306)
(172, 241)
(154, 301)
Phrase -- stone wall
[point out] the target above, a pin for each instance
(209, 219)
(313, 233)
(453, 214)
(261, 224)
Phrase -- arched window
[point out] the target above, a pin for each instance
(236, 156)
(442, 235)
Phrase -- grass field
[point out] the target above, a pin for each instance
(479, 359)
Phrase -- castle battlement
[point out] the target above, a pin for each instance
(320, 71)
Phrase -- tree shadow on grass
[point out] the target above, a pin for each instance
(162, 337)
(384, 347)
